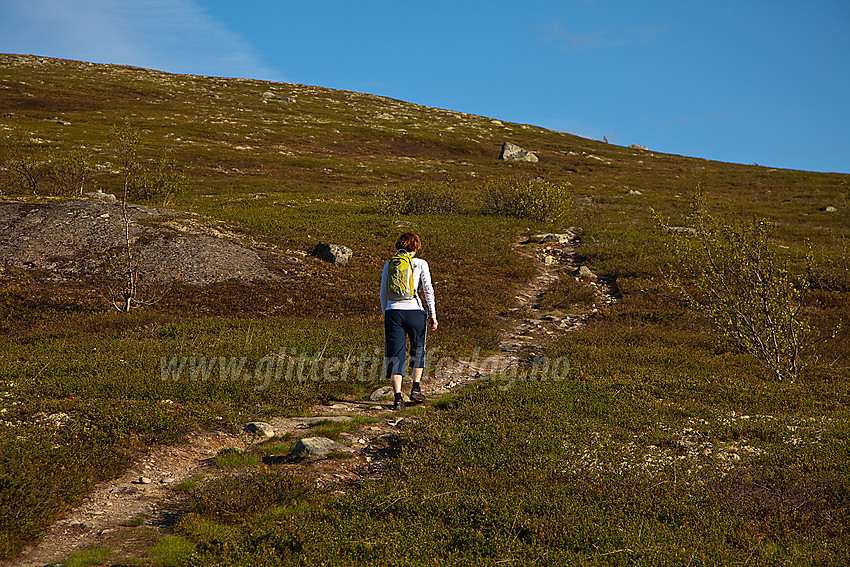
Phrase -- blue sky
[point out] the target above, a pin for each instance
(745, 81)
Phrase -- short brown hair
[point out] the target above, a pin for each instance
(408, 241)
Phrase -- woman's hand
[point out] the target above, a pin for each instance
(433, 323)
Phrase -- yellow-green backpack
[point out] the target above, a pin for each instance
(400, 277)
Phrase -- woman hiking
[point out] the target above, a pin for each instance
(404, 276)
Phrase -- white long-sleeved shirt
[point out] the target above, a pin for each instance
(421, 281)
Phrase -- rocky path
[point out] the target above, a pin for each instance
(144, 493)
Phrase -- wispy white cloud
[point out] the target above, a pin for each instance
(556, 34)
(171, 35)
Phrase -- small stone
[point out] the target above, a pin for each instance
(144, 480)
(634, 192)
(58, 420)
(259, 427)
(102, 195)
(386, 393)
(680, 230)
(585, 273)
(829, 209)
(553, 237)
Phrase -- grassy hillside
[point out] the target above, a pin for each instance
(665, 446)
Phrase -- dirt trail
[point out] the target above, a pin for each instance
(144, 491)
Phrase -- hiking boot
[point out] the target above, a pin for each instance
(398, 403)
(416, 395)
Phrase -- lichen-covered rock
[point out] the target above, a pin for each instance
(333, 253)
(317, 447)
(512, 152)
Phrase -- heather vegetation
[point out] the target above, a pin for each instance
(670, 442)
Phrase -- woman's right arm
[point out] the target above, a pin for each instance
(384, 288)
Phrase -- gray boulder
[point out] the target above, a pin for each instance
(333, 253)
(512, 152)
(317, 447)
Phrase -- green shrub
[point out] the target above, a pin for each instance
(333, 429)
(749, 293)
(277, 446)
(22, 164)
(69, 173)
(543, 202)
(160, 179)
(86, 557)
(136, 521)
(230, 499)
(833, 273)
(189, 484)
(566, 292)
(419, 200)
(233, 458)
(171, 550)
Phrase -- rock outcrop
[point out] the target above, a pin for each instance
(512, 152)
(78, 239)
(333, 253)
